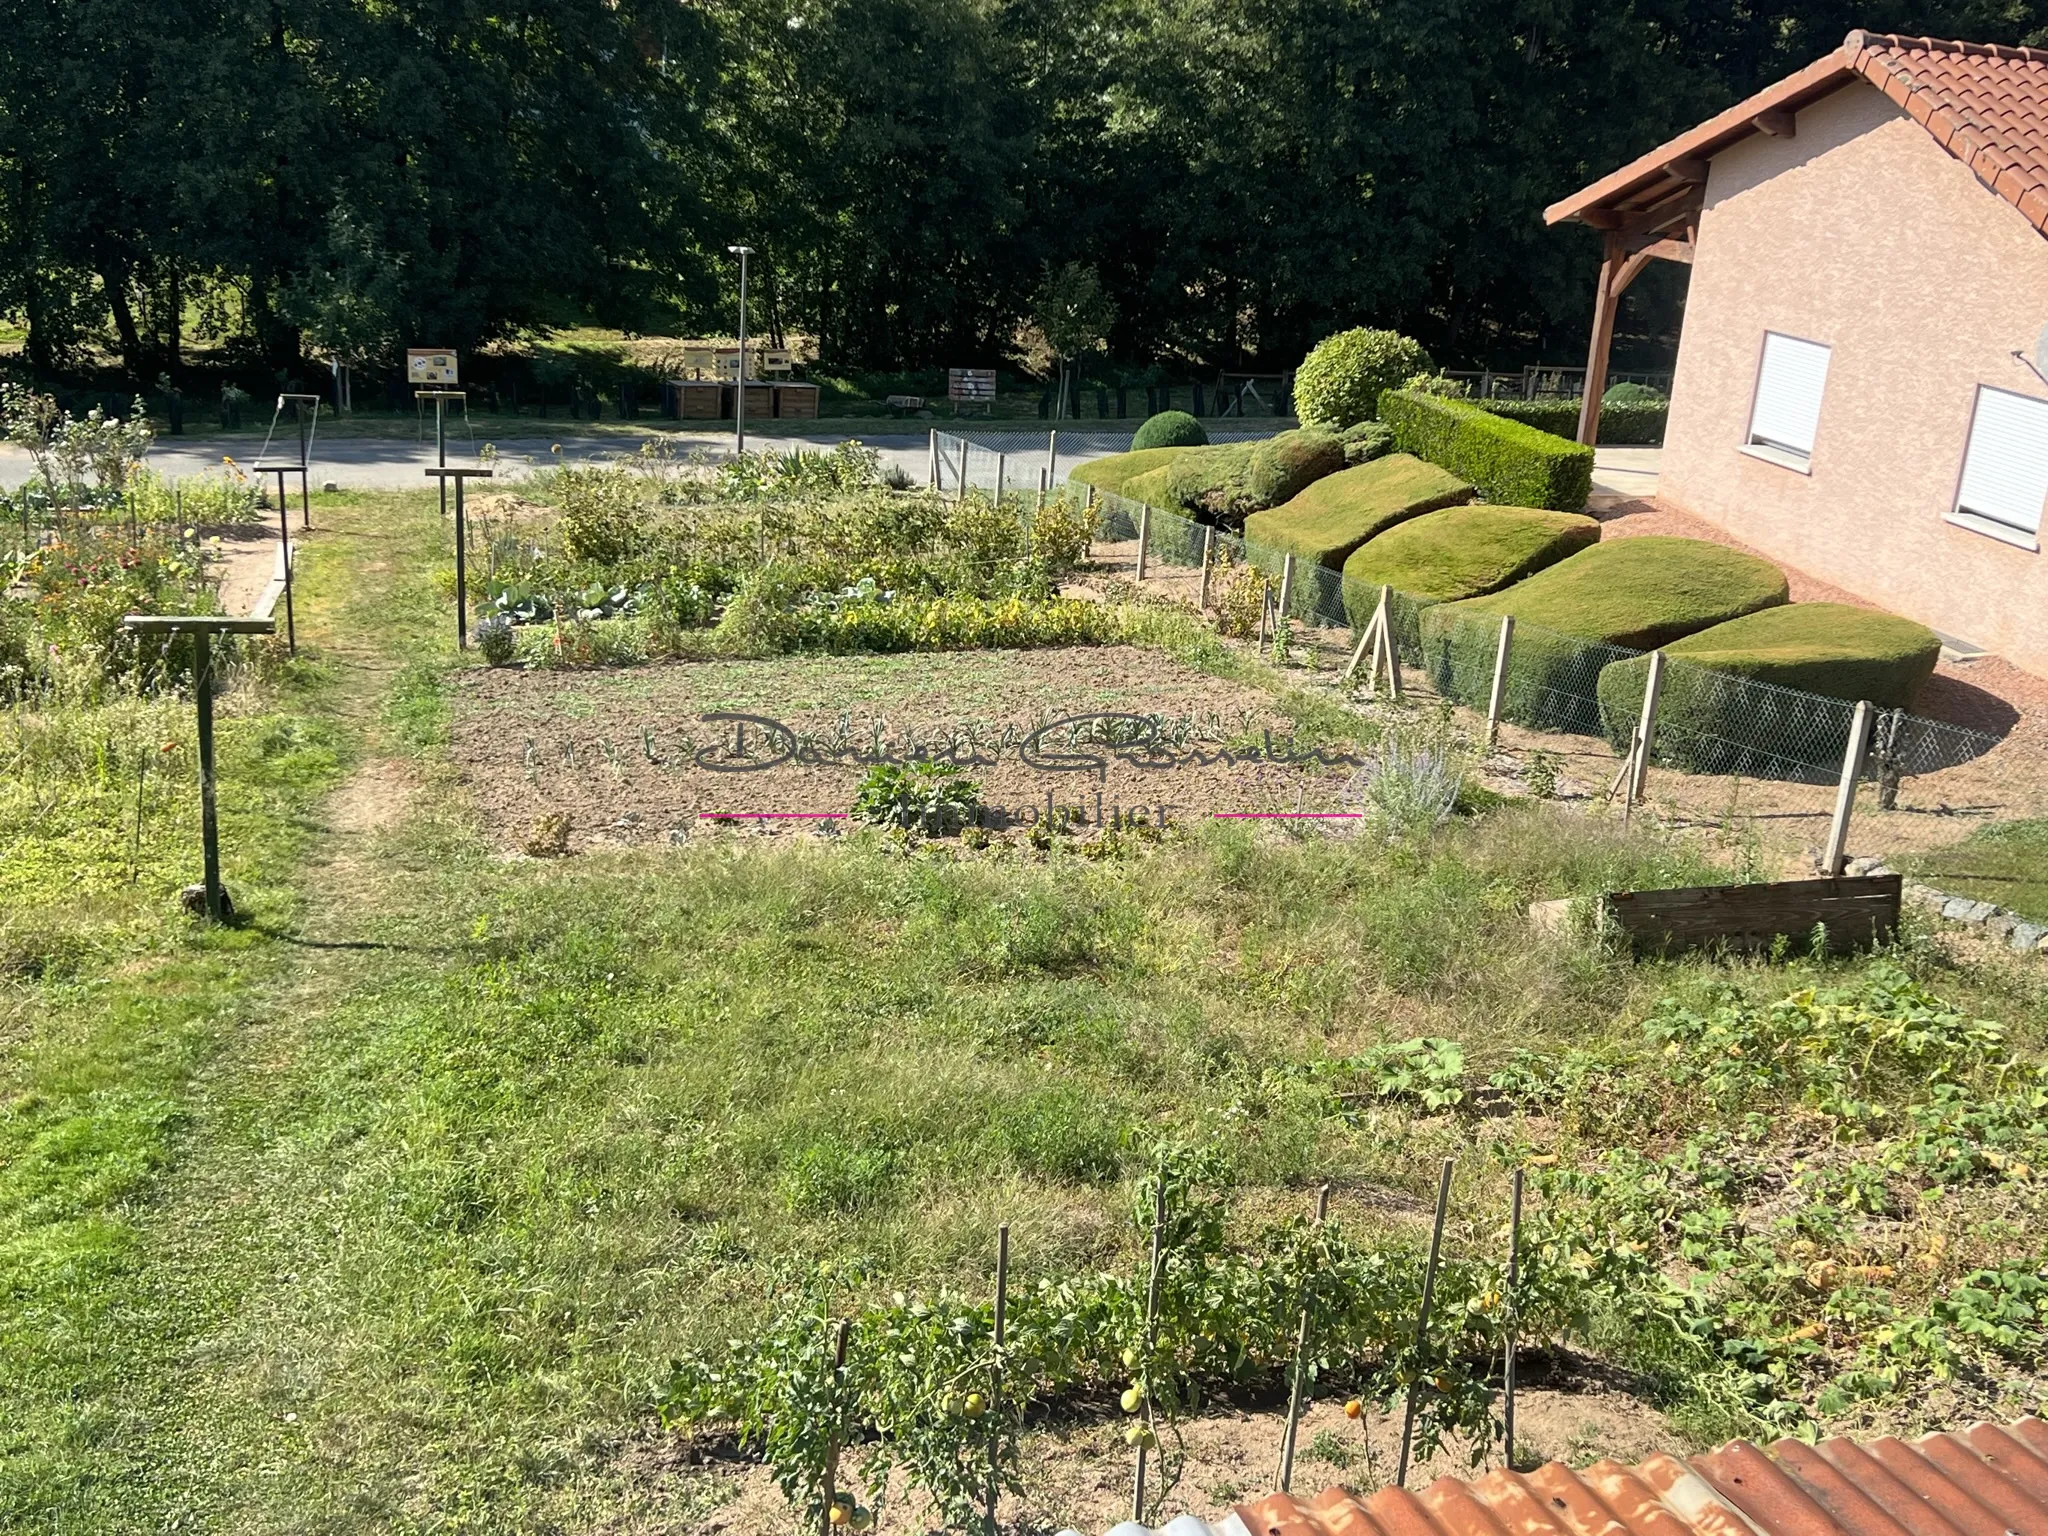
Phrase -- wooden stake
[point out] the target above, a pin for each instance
(1208, 553)
(961, 493)
(1144, 535)
(1002, 467)
(832, 1448)
(1500, 679)
(1508, 1319)
(995, 1376)
(1300, 1370)
(1286, 597)
(1845, 793)
(1387, 648)
(1151, 1335)
(1646, 728)
(1368, 639)
(931, 468)
(1436, 1243)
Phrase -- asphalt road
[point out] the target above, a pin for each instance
(391, 463)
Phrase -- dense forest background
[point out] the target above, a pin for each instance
(345, 177)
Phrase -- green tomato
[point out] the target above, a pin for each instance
(1131, 1399)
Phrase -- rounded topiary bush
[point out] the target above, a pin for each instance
(1340, 382)
(1818, 658)
(1629, 392)
(1169, 429)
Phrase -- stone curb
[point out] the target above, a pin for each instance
(2022, 935)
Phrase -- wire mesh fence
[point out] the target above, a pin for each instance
(1009, 459)
(1705, 722)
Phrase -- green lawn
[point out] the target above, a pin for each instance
(2005, 863)
(389, 1210)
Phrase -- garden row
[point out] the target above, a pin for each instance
(1466, 518)
(1685, 1226)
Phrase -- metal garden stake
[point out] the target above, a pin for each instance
(995, 1377)
(459, 476)
(1436, 1243)
(202, 628)
(832, 1446)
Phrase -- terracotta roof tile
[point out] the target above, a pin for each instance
(1985, 104)
(1987, 1481)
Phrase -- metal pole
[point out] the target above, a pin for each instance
(931, 473)
(1845, 793)
(441, 446)
(461, 575)
(1300, 1370)
(1436, 1243)
(960, 491)
(1500, 679)
(1151, 1323)
(284, 535)
(1144, 534)
(1514, 1279)
(739, 396)
(1646, 731)
(305, 484)
(1002, 470)
(1052, 456)
(1208, 552)
(209, 829)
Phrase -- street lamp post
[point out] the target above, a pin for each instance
(739, 396)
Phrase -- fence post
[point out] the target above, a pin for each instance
(931, 472)
(1845, 793)
(1646, 730)
(1002, 466)
(1144, 534)
(1039, 505)
(960, 492)
(1208, 551)
(1286, 593)
(1500, 679)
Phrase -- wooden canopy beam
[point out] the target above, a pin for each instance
(1621, 263)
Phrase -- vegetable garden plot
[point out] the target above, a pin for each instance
(629, 757)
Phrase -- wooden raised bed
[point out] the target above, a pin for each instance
(1856, 912)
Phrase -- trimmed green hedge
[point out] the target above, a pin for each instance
(1339, 512)
(1621, 423)
(1512, 464)
(1459, 553)
(1230, 480)
(1597, 607)
(1709, 721)
(1118, 470)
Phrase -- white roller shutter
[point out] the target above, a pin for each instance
(2005, 467)
(1788, 391)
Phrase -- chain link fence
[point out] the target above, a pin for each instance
(1705, 722)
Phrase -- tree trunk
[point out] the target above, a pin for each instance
(114, 281)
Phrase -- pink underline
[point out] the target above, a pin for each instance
(1286, 815)
(772, 815)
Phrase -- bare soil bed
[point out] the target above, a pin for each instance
(637, 755)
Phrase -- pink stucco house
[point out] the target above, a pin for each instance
(1860, 385)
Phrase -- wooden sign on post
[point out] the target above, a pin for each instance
(971, 386)
(431, 367)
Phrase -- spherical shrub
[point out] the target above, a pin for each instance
(1170, 429)
(1630, 393)
(495, 640)
(1339, 383)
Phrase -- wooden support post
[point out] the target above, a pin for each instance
(284, 541)
(1368, 640)
(1286, 595)
(1144, 534)
(1387, 645)
(931, 467)
(825, 1527)
(961, 493)
(202, 628)
(1436, 1243)
(1508, 1299)
(1606, 301)
(995, 1374)
(1837, 853)
(1002, 468)
(1500, 679)
(1208, 555)
(459, 476)
(1151, 1334)
(1294, 1395)
(1052, 457)
(1039, 505)
(1646, 728)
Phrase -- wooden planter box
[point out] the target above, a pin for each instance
(797, 401)
(1857, 913)
(699, 399)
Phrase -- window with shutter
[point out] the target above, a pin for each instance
(1786, 413)
(2005, 468)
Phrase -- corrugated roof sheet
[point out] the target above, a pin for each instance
(1985, 1481)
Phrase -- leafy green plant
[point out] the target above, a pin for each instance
(602, 516)
(934, 798)
(1168, 429)
(1341, 380)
